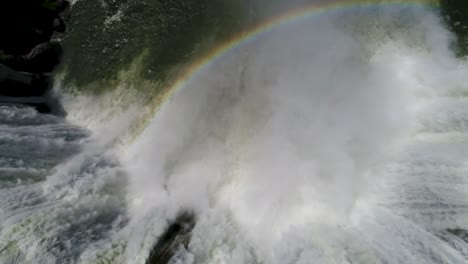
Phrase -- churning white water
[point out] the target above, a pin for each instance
(336, 138)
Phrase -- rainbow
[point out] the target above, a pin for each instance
(292, 15)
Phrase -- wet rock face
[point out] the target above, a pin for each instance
(461, 233)
(105, 37)
(177, 235)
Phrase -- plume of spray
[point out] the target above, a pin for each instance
(279, 145)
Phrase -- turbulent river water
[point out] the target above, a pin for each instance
(338, 136)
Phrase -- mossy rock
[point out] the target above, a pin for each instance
(105, 37)
(455, 13)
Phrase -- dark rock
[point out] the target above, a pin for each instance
(177, 235)
(455, 14)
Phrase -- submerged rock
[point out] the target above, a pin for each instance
(177, 235)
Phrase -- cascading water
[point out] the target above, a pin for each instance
(330, 137)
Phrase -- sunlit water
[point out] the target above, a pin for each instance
(339, 138)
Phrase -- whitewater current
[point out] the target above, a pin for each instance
(331, 138)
